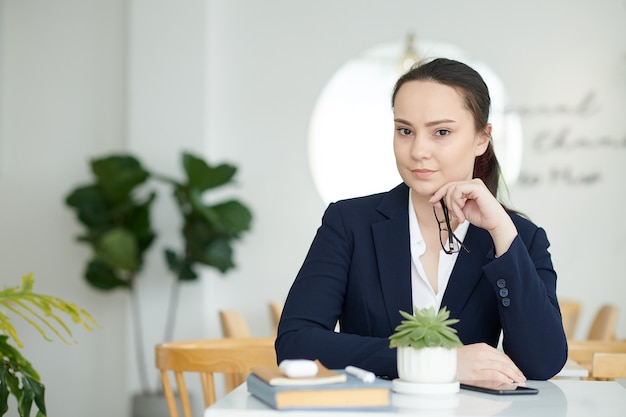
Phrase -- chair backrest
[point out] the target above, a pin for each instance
(207, 357)
(570, 311)
(608, 365)
(603, 325)
(582, 351)
(234, 324)
(276, 310)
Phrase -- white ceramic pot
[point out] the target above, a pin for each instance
(427, 365)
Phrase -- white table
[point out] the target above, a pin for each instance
(556, 398)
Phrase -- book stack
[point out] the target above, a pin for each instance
(328, 390)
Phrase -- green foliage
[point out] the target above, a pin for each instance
(207, 229)
(116, 220)
(119, 230)
(17, 375)
(426, 328)
(115, 210)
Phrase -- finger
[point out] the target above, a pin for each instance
(491, 362)
(456, 200)
(509, 371)
(455, 207)
(493, 375)
(438, 195)
(503, 364)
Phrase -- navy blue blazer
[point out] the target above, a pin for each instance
(358, 272)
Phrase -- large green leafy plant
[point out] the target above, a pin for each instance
(17, 376)
(115, 211)
(116, 219)
(426, 328)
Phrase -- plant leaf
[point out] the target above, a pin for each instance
(203, 176)
(181, 268)
(218, 253)
(103, 277)
(4, 390)
(34, 391)
(118, 248)
(425, 328)
(118, 175)
(90, 204)
(17, 375)
(233, 217)
(19, 301)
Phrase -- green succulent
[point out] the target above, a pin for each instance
(426, 328)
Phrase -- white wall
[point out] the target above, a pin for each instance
(84, 78)
(63, 100)
(167, 114)
(269, 61)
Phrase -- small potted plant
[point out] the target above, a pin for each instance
(427, 346)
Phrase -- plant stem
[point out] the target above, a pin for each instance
(171, 311)
(170, 318)
(138, 333)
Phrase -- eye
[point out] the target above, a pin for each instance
(442, 132)
(404, 131)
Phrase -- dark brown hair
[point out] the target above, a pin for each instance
(472, 87)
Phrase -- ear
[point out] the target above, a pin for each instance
(482, 140)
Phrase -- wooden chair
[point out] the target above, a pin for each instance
(582, 351)
(604, 322)
(608, 365)
(234, 324)
(207, 357)
(570, 311)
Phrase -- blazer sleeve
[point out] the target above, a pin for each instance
(315, 302)
(525, 284)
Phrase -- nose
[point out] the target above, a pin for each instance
(420, 148)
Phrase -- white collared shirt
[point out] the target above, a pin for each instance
(422, 292)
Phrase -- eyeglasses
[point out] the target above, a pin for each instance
(454, 243)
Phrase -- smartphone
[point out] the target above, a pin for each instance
(498, 388)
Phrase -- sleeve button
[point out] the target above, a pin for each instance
(501, 283)
(504, 292)
(506, 302)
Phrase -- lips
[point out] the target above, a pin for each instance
(422, 173)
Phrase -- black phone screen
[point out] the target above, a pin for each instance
(498, 388)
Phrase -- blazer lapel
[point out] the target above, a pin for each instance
(391, 242)
(468, 270)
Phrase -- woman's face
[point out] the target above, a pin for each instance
(435, 139)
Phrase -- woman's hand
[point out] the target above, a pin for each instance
(472, 201)
(480, 361)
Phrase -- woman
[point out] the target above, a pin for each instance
(376, 255)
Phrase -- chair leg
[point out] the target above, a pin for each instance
(169, 394)
(208, 388)
(183, 394)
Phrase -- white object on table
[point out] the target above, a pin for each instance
(362, 374)
(298, 368)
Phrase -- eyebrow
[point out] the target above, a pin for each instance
(406, 122)
(439, 122)
(429, 124)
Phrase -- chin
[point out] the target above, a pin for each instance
(422, 190)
